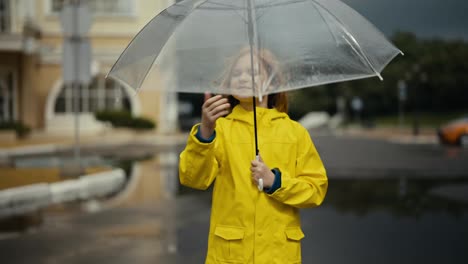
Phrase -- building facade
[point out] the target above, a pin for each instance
(31, 85)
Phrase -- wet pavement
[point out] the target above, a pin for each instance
(350, 157)
(403, 231)
(120, 235)
(400, 216)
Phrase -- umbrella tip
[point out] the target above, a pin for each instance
(401, 52)
(380, 76)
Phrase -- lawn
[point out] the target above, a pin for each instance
(426, 119)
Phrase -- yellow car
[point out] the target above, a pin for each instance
(454, 132)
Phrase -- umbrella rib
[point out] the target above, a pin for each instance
(275, 3)
(326, 22)
(225, 5)
(266, 5)
(355, 51)
(219, 8)
(333, 34)
(360, 52)
(264, 12)
(172, 31)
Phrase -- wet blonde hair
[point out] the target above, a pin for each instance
(270, 65)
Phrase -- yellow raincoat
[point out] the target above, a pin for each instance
(249, 226)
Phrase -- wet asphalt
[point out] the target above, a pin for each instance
(174, 229)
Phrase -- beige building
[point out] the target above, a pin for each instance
(31, 85)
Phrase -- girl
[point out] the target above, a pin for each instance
(248, 225)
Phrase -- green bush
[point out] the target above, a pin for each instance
(21, 129)
(125, 119)
(116, 118)
(142, 123)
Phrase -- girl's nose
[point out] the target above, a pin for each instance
(245, 76)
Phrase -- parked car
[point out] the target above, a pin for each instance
(454, 132)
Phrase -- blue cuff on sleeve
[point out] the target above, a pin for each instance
(205, 140)
(276, 183)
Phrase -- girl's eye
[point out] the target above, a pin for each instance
(236, 73)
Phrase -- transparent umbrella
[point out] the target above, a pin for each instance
(315, 41)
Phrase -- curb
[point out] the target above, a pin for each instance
(48, 148)
(30, 198)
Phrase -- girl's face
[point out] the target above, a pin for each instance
(241, 78)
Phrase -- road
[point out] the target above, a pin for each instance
(351, 157)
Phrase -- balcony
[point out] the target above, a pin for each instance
(18, 33)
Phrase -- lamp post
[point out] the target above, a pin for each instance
(402, 96)
(357, 105)
(76, 21)
(417, 78)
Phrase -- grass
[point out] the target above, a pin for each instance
(426, 119)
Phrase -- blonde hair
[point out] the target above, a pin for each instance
(270, 65)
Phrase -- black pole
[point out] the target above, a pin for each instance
(252, 38)
(255, 124)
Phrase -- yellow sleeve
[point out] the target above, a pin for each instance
(198, 165)
(308, 187)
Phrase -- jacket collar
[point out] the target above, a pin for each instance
(263, 114)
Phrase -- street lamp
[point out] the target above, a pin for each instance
(417, 79)
(76, 20)
(402, 96)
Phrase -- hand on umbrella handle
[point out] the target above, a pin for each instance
(213, 108)
(260, 181)
(261, 174)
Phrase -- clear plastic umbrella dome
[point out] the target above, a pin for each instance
(315, 42)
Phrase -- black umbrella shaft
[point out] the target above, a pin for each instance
(255, 124)
(252, 37)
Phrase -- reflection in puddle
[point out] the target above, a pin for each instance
(170, 182)
(452, 152)
(400, 197)
(363, 221)
(154, 182)
(402, 220)
(143, 186)
(370, 221)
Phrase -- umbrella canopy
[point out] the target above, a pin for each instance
(316, 42)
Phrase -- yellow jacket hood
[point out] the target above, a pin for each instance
(263, 114)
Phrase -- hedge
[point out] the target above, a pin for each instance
(21, 129)
(125, 119)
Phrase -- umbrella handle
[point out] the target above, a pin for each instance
(260, 181)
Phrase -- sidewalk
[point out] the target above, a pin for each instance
(392, 134)
(42, 144)
(115, 136)
(39, 140)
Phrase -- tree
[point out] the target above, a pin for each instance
(434, 70)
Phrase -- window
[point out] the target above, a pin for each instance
(102, 7)
(7, 97)
(101, 94)
(4, 16)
